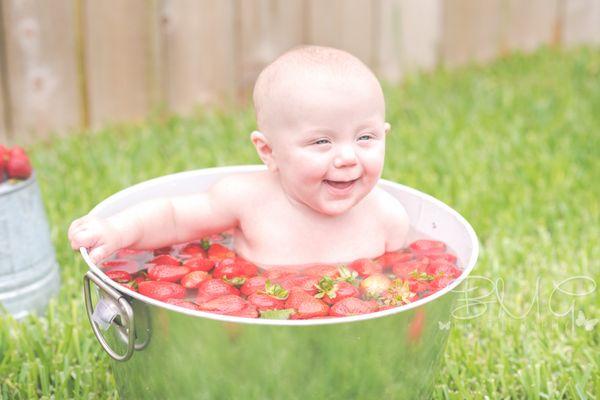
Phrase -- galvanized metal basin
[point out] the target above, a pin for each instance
(28, 278)
(175, 353)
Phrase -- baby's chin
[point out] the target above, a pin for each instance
(335, 208)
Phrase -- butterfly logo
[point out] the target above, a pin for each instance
(444, 325)
(587, 324)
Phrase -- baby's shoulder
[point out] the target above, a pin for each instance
(392, 215)
(240, 189)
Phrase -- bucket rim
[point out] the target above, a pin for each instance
(469, 265)
(6, 189)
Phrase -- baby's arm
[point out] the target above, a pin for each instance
(396, 222)
(157, 223)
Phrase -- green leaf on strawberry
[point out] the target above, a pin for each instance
(275, 290)
(347, 275)
(397, 294)
(205, 243)
(277, 314)
(421, 276)
(326, 286)
(237, 281)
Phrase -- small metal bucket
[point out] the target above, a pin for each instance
(176, 353)
(27, 278)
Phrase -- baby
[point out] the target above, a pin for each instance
(321, 133)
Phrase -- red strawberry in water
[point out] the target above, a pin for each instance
(443, 268)
(218, 252)
(167, 273)
(161, 290)
(253, 285)
(3, 161)
(163, 250)
(265, 302)
(374, 285)
(123, 265)
(199, 264)
(231, 269)
(277, 273)
(343, 291)
(388, 260)
(119, 276)
(213, 288)
(403, 270)
(322, 270)
(193, 250)
(18, 165)
(440, 282)
(227, 304)
(164, 259)
(310, 307)
(304, 282)
(433, 257)
(249, 311)
(365, 267)
(430, 246)
(128, 253)
(194, 279)
(352, 306)
(183, 303)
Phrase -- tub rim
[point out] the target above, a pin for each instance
(470, 264)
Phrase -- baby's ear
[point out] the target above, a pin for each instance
(386, 128)
(264, 149)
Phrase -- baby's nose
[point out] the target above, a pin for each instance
(345, 157)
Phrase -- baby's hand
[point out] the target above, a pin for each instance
(96, 234)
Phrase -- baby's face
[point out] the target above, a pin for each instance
(329, 143)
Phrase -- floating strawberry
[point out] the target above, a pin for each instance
(264, 302)
(124, 265)
(443, 268)
(309, 307)
(193, 250)
(304, 282)
(365, 267)
(163, 250)
(399, 293)
(194, 279)
(18, 165)
(161, 290)
(227, 305)
(3, 161)
(433, 257)
(430, 246)
(167, 273)
(374, 285)
(322, 270)
(253, 285)
(403, 270)
(278, 273)
(199, 264)
(128, 253)
(119, 276)
(218, 252)
(352, 306)
(164, 259)
(389, 259)
(231, 269)
(213, 288)
(183, 303)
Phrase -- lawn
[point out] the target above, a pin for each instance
(512, 146)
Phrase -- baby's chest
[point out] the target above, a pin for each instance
(272, 237)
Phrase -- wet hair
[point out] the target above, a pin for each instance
(310, 61)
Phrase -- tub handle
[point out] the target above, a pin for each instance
(102, 318)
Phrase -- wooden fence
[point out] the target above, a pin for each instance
(67, 64)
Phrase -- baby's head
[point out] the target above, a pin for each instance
(321, 127)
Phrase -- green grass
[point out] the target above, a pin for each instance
(513, 147)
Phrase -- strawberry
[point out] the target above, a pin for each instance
(352, 306)
(249, 311)
(18, 165)
(167, 273)
(3, 161)
(183, 303)
(346, 275)
(397, 294)
(322, 270)
(218, 252)
(430, 246)
(193, 279)
(124, 265)
(193, 250)
(365, 267)
(119, 276)
(129, 285)
(443, 268)
(164, 259)
(161, 290)
(374, 285)
(199, 264)
(440, 283)
(163, 250)
(213, 288)
(253, 285)
(389, 259)
(227, 304)
(231, 269)
(128, 253)
(305, 282)
(343, 291)
(278, 273)
(403, 270)
(265, 302)
(295, 297)
(310, 307)
(450, 258)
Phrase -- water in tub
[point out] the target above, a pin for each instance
(207, 275)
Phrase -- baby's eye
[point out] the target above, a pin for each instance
(365, 137)
(322, 141)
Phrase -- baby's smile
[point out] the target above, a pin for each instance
(340, 187)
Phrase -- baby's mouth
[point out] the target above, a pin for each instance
(340, 184)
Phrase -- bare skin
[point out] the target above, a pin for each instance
(324, 146)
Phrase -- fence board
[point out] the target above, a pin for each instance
(41, 67)
(199, 52)
(529, 24)
(268, 28)
(345, 24)
(581, 22)
(120, 73)
(471, 31)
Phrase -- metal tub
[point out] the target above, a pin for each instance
(183, 354)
